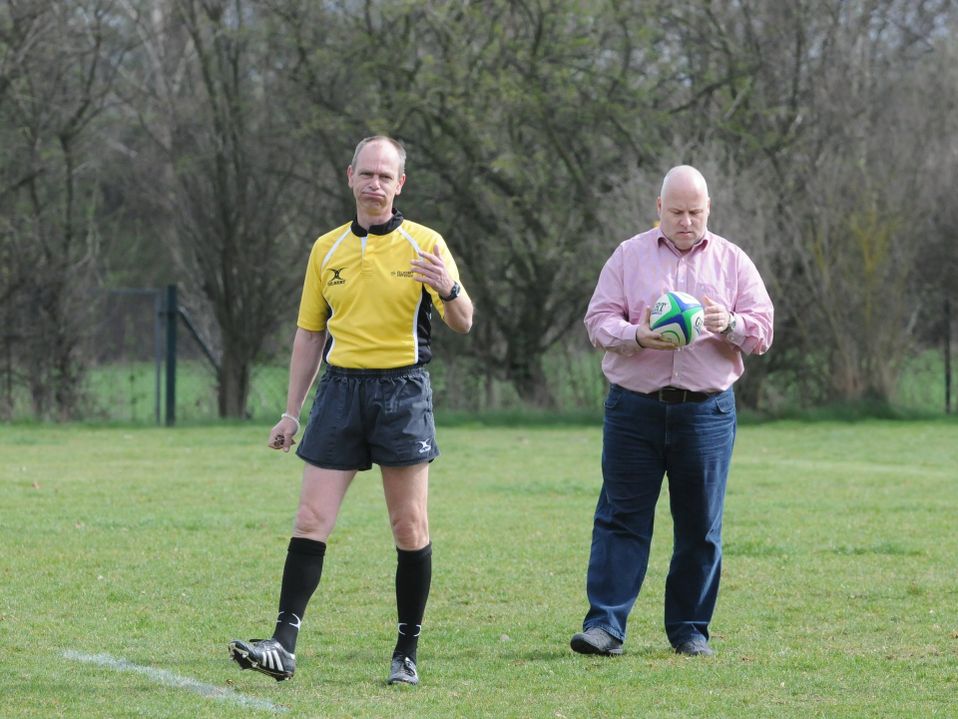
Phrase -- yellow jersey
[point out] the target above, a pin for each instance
(359, 287)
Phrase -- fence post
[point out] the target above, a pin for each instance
(947, 356)
(171, 317)
(158, 343)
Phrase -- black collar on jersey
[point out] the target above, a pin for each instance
(383, 229)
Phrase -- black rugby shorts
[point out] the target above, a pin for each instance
(360, 417)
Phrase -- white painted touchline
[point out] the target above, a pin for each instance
(162, 676)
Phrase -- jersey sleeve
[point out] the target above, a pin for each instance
(313, 310)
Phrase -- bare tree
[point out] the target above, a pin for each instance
(861, 179)
(518, 117)
(822, 110)
(537, 134)
(60, 61)
(210, 94)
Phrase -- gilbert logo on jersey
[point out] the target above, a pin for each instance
(336, 279)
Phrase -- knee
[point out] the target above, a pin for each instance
(313, 522)
(410, 530)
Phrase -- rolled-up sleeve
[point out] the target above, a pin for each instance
(607, 319)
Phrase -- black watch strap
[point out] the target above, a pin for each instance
(453, 293)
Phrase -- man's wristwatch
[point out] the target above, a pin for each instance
(453, 293)
(730, 327)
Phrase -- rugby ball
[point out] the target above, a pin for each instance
(678, 317)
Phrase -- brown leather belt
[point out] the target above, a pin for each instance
(675, 395)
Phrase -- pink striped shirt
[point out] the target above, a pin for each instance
(647, 265)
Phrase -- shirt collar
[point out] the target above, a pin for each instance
(383, 229)
(699, 246)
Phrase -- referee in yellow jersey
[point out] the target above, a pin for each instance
(368, 298)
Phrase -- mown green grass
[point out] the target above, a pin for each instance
(157, 546)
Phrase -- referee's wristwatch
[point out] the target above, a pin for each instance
(453, 293)
(730, 327)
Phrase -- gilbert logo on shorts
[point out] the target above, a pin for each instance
(336, 279)
(424, 445)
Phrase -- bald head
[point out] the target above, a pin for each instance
(683, 206)
(683, 177)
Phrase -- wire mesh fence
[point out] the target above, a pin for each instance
(127, 358)
(128, 379)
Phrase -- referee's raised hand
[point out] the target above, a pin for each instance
(431, 270)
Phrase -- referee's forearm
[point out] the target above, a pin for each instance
(458, 314)
(303, 366)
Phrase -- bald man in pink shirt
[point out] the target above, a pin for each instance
(670, 412)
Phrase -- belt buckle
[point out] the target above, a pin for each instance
(665, 392)
(673, 395)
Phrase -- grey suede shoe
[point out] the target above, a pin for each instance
(596, 641)
(698, 647)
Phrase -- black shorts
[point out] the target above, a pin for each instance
(364, 416)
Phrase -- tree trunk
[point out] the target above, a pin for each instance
(233, 386)
(528, 377)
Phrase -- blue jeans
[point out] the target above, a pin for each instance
(644, 440)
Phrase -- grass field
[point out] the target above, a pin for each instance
(129, 557)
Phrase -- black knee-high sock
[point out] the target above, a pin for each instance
(304, 567)
(413, 577)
